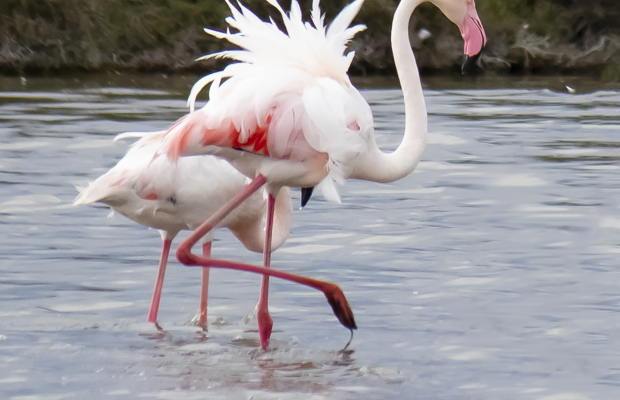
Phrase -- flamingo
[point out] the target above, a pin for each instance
(203, 185)
(286, 115)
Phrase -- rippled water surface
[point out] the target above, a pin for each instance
(492, 272)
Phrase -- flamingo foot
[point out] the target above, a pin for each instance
(342, 310)
(152, 318)
(196, 321)
(265, 325)
(202, 323)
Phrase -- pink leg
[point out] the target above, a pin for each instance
(165, 250)
(204, 292)
(265, 323)
(332, 292)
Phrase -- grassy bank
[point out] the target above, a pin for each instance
(166, 35)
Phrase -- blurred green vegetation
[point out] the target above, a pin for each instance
(540, 36)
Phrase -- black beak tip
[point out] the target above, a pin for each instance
(306, 194)
(470, 64)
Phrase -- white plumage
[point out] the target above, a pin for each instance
(290, 88)
(286, 114)
(184, 195)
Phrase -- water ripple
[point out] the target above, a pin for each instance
(490, 272)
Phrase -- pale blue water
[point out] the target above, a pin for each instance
(492, 272)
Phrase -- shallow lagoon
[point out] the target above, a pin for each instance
(489, 273)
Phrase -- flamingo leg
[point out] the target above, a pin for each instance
(265, 323)
(332, 292)
(159, 283)
(204, 290)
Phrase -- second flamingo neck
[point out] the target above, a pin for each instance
(383, 167)
(251, 232)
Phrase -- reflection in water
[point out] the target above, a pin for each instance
(491, 272)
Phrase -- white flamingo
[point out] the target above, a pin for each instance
(286, 114)
(202, 186)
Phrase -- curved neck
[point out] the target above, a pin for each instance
(282, 219)
(388, 167)
(251, 232)
(407, 68)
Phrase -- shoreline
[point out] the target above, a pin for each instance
(178, 85)
(525, 37)
(488, 63)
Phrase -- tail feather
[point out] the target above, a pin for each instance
(95, 192)
(176, 143)
(124, 176)
(138, 135)
(202, 82)
(194, 131)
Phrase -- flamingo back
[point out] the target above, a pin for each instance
(288, 97)
(184, 194)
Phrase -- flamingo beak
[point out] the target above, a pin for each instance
(306, 193)
(474, 37)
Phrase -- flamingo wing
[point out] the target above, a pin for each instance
(289, 97)
(156, 192)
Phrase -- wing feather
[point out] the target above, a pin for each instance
(292, 85)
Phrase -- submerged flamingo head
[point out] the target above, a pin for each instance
(463, 13)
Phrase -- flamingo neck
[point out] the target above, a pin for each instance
(389, 167)
(252, 232)
(282, 218)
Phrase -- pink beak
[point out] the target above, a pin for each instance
(473, 35)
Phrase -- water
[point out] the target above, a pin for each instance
(489, 273)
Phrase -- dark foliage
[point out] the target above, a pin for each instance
(166, 35)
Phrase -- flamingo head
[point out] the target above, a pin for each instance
(463, 13)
